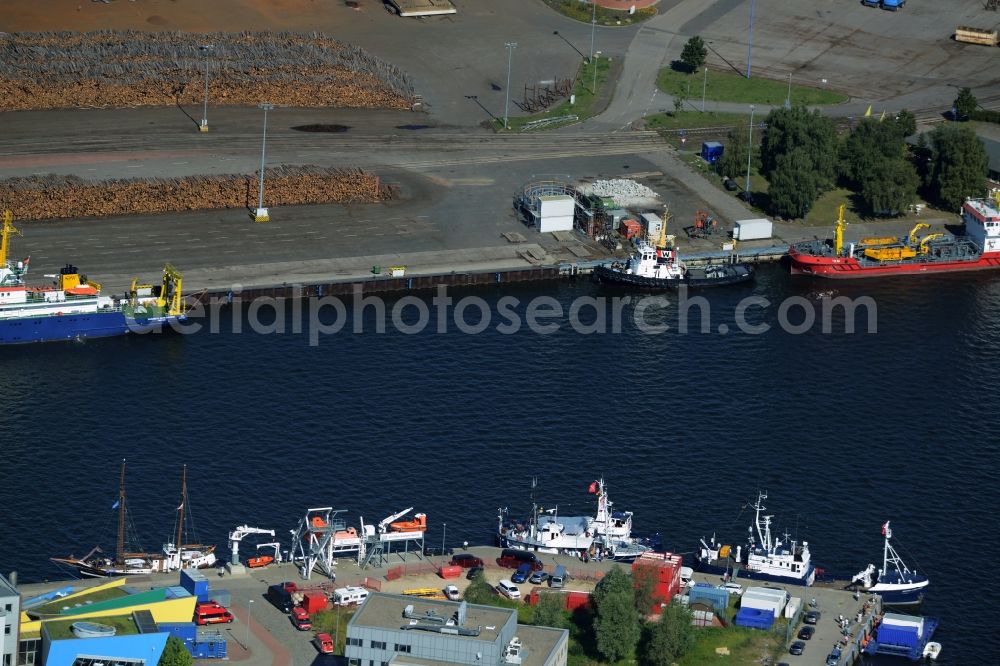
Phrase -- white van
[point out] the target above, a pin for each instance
(508, 589)
(349, 596)
(558, 577)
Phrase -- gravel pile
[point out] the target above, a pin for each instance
(624, 191)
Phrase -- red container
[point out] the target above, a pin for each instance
(576, 600)
(449, 571)
(314, 601)
(630, 228)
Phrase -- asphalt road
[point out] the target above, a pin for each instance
(456, 179)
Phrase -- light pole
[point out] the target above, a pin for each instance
(593, 27)
(444, 530)
(749, 152)
(704, 85)
(249, 611)
(788, 97)
(750, 39)
(205, 48)
(510, 56)
(261, 214)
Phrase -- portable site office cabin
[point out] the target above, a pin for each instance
(765, 599)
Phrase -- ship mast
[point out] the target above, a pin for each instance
(121, 515)
(180, 517)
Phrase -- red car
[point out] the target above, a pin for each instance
(466, 561)
(324, 643)
(301, 619)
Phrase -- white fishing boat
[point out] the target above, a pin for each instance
(896, 583)
(765, 557)
(607, 535)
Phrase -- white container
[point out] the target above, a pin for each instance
(761, 604)
(654, 225)
(557, 205)
(555, 223)
(900, 620)
(793, 607)
(745, 230)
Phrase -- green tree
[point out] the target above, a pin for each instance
(479, 591)
(733, 162)
(906, 123)
(549, 611)
(797, 128)
(694, 53)
(175, 654)
(644, 580)
(670, 637)
(891, 186)
(794, 183)
(616, 625)
(616, 580)
(958, 165)
(616, 622)
(964, 104)
(871, 143)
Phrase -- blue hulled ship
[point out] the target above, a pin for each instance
(73, 308)
(896, 583)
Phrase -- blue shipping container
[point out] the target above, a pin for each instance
(754, 618)
(186, 631)
(215, 649)
(711, 151)
(896, 635)
(195, 582)
(717, 597)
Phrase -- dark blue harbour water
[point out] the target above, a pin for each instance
(844, 431)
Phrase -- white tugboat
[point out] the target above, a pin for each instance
(765, 557)
(659, 267)
(608, 534)
(896, 583)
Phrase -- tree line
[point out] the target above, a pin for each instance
(802, 156)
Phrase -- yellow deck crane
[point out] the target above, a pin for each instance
(6, 230)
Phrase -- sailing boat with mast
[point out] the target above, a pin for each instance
(95, 565)
(188, 555)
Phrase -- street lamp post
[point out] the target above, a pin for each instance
(249, 611)
(788, 97)
(593, 27)
(749, 151)
(510, 56)
(704, 85)
(444, 531)
(750, 39)
(205, 48)
(261, 214)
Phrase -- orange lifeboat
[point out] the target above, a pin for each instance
(257, 562)
(349, 533)
(418, 524)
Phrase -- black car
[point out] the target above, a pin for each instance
(805, 633)
(473, 572)
(730, 184)
(798, 647)
(465, 560)
(812, 617)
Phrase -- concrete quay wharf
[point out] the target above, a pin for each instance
(263, 635)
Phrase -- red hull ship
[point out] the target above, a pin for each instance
(977, 249)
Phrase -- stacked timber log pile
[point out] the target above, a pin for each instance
(128, 69)
(53, 196)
